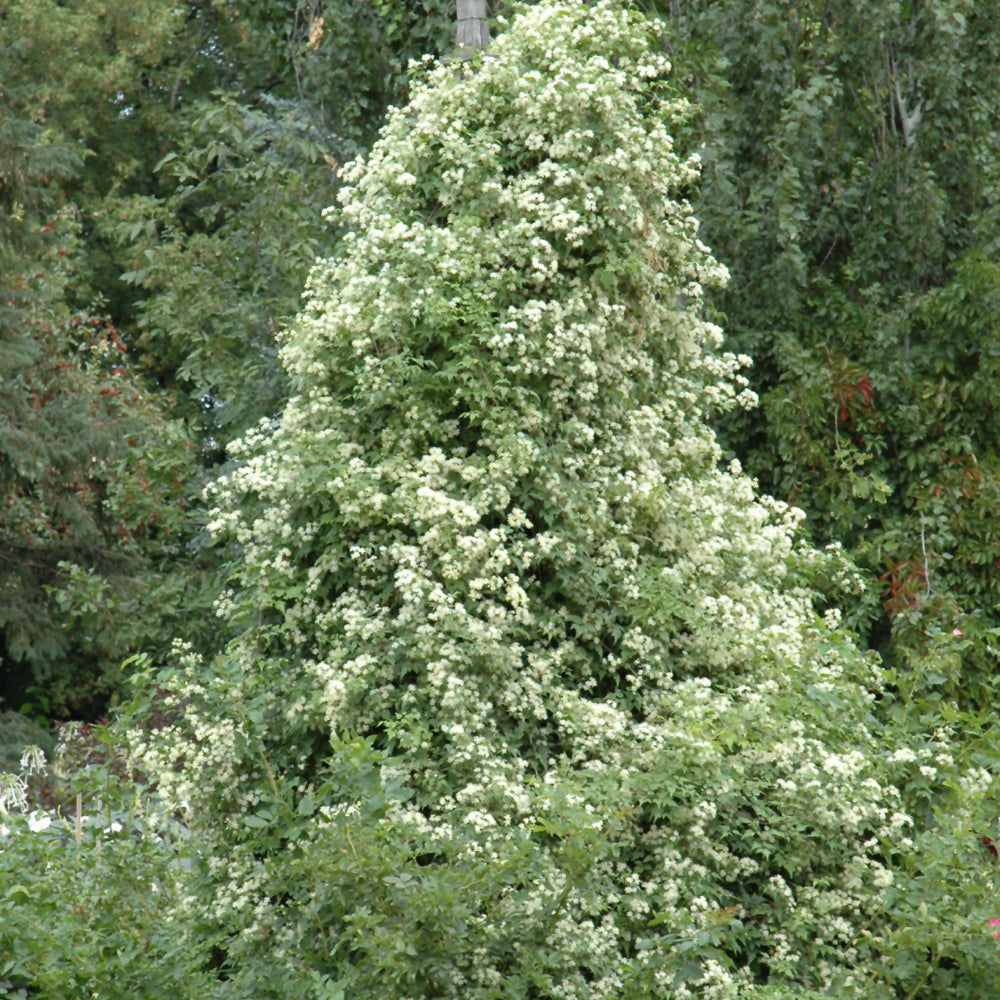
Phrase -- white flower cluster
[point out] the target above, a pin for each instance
(490, 536)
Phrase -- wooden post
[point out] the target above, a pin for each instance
(473, 27)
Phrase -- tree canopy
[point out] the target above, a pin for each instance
(162, 193)
(850, 186)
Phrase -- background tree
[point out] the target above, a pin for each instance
(90, 470)
(218, 254)
(851, 178)
(188, 149)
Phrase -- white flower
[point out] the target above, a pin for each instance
(13, 793)
(32, 761)
(39, 821)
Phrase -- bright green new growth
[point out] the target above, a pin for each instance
(530, 701)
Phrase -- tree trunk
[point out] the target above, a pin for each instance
(473, 28)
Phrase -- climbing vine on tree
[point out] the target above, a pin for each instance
(530, 693)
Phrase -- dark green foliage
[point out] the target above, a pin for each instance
(219, 251)
(221, 260)
(850, 184)
(189, 150)
(92, 475)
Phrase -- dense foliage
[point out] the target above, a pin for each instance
(92, 469)
(519, 686)
(850, 185)
(530, 697)
(161, 197)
